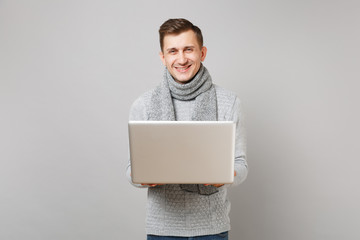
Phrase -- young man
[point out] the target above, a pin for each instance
(187, 93)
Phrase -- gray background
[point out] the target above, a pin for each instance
(69, 71)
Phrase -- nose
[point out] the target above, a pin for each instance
(182, 58)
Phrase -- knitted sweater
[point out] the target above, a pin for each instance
(172, 211)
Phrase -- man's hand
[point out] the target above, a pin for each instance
(150, 184)
(219, 185)
(215, 185)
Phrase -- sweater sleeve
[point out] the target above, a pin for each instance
(137, 113)
(241, 166)
(236, 115)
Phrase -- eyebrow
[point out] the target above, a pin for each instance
(169, 49)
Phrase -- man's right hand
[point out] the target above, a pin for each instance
(150, 184)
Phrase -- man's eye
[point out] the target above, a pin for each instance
(188, 49)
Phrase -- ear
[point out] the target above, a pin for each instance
(162, 57)
(203, 53)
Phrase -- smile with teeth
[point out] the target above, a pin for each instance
(183, 69)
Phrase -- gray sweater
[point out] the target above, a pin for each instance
(172, 211)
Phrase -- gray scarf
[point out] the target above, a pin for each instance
(201, 89)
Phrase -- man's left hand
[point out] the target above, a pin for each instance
(218, 185)
(215, 185)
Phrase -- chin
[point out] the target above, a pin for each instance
(183, 80)
(186, 77)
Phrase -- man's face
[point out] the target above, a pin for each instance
(182, 55)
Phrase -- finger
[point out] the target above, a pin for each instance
(150, 185)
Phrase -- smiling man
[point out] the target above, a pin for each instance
(182, 55)
(189, 211)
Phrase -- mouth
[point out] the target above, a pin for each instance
(183, 69)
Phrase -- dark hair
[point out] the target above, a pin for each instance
(177, 26)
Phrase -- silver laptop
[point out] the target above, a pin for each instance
(182, 152)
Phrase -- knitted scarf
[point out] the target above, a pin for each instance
(201, 89)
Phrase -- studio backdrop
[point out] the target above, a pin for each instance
(70, 70)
